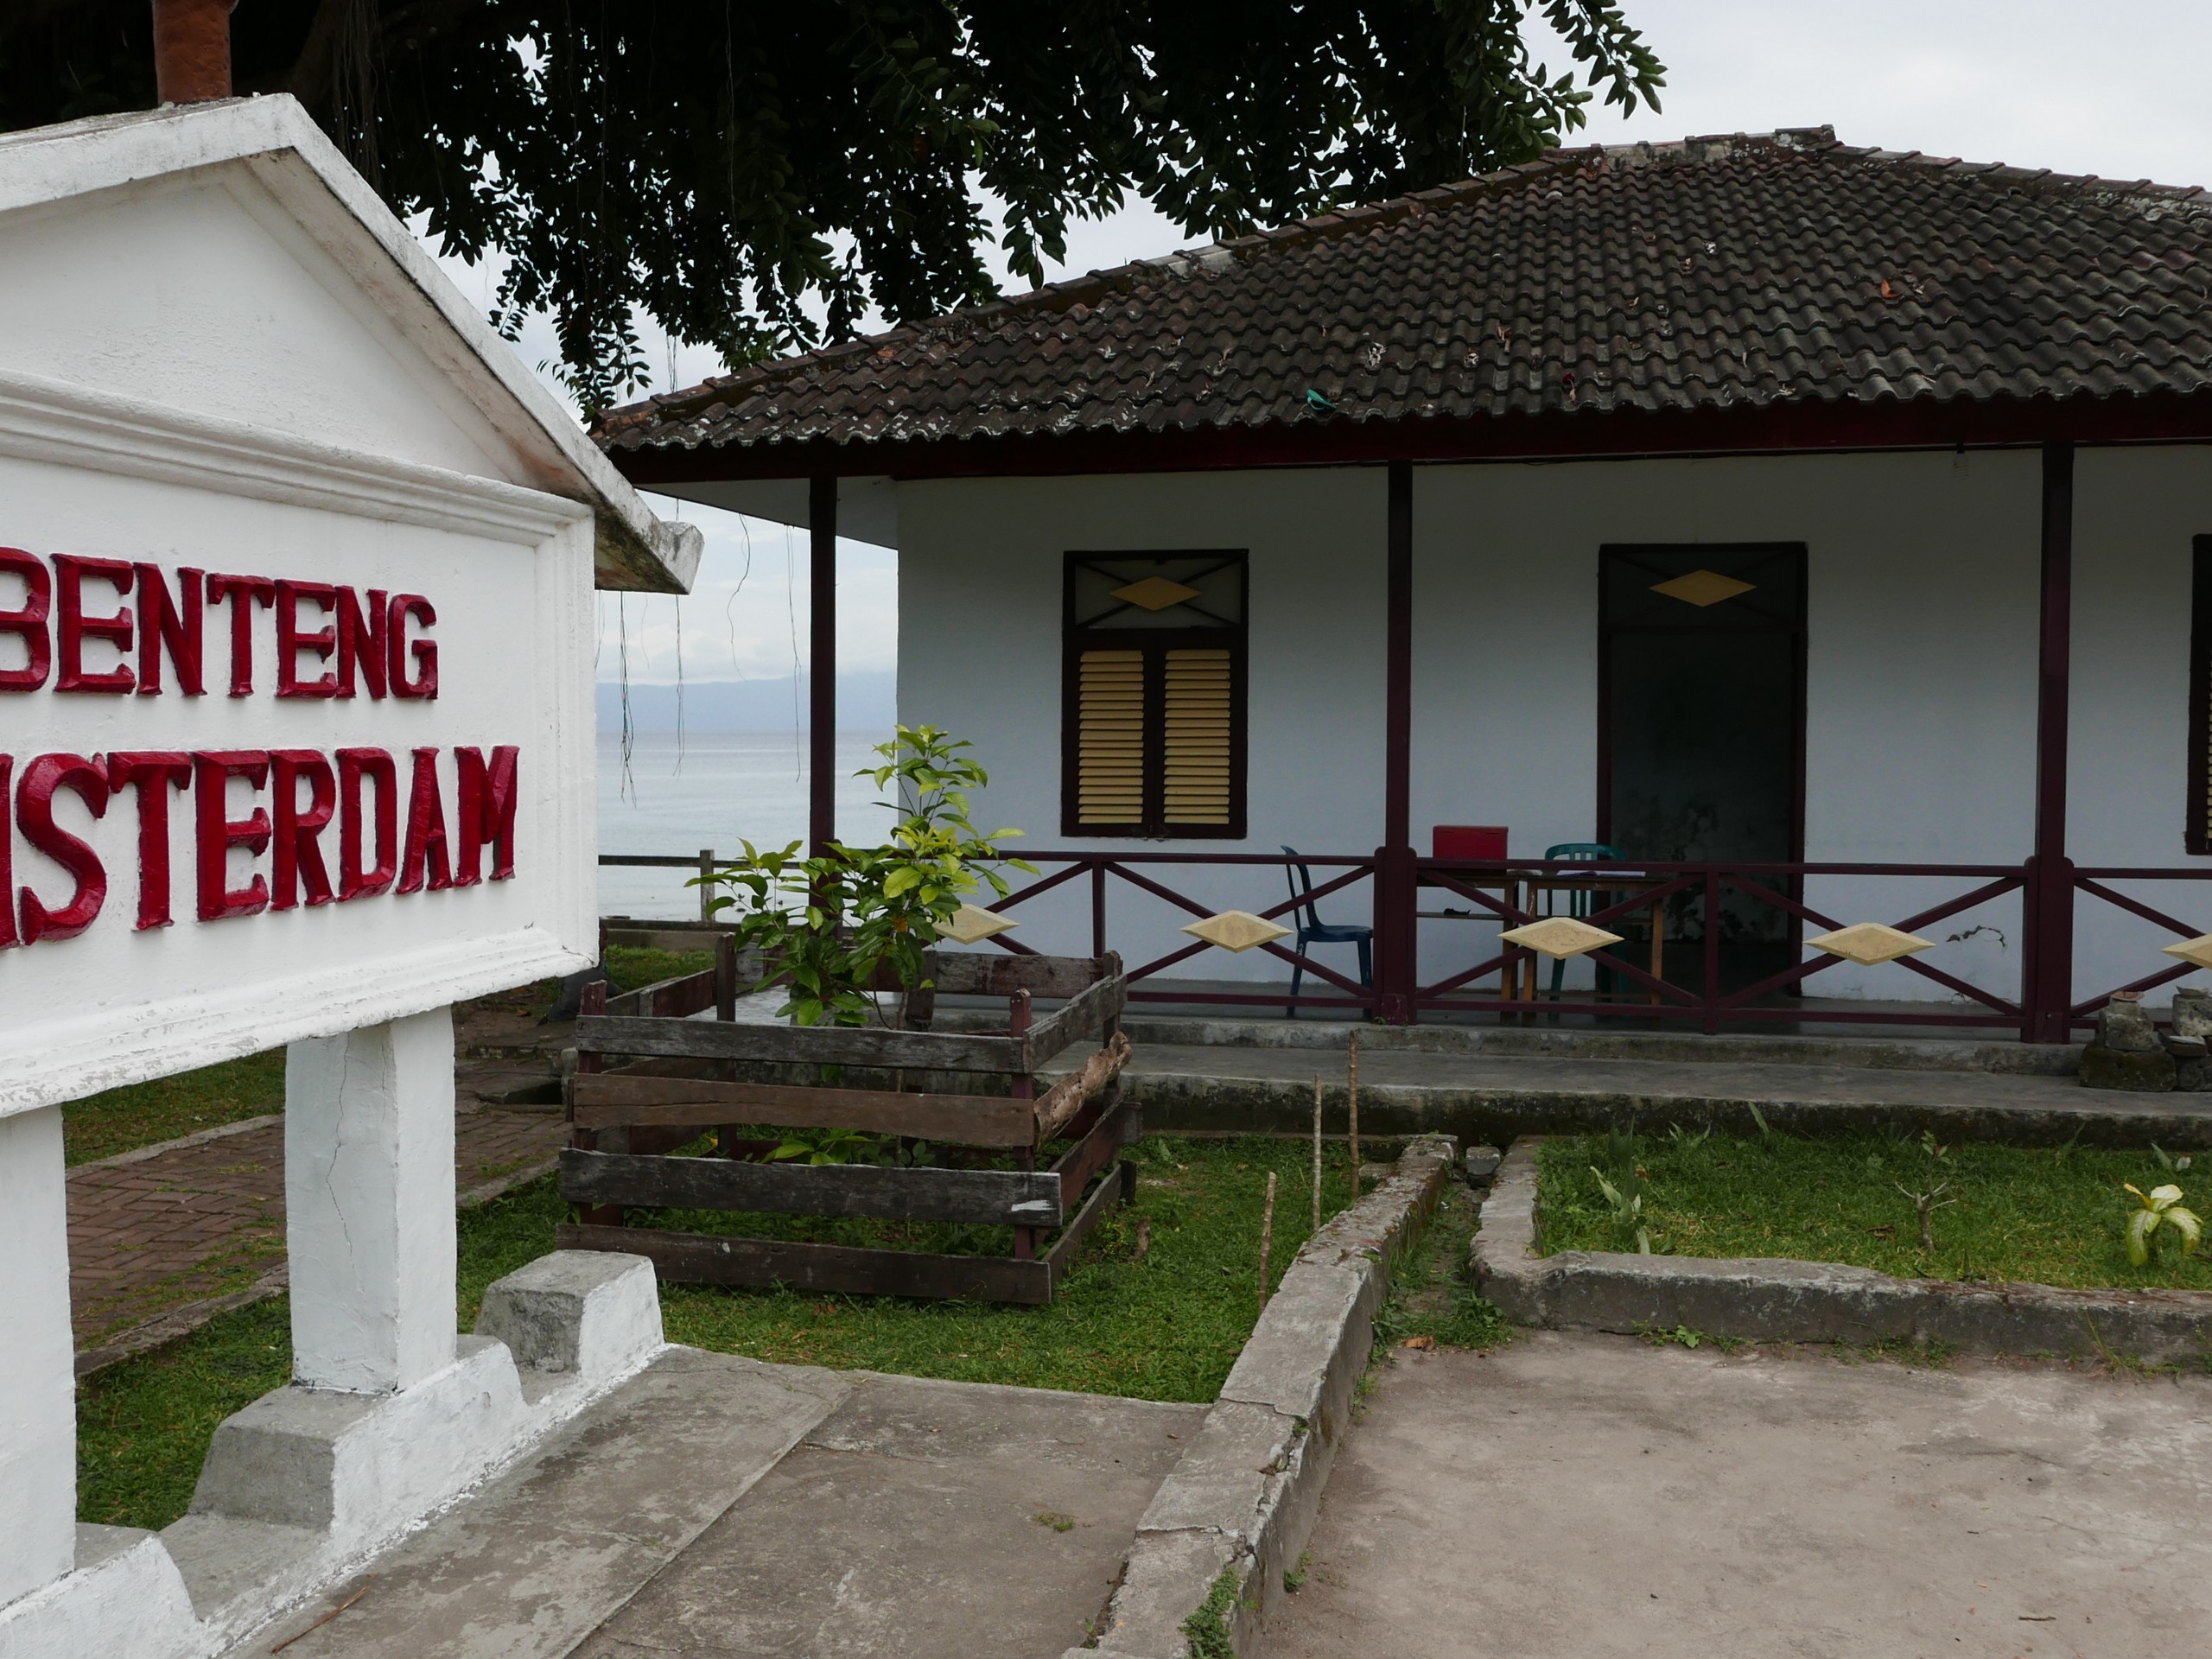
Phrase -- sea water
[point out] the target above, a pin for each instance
(716, 789)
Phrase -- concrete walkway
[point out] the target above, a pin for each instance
(717, 1506)
(1592, 1496)
(1492, 1098)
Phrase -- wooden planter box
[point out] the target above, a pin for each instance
(650, 1078)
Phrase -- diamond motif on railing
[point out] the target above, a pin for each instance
(1236, 930)
(2197, 950)
(1869, 943)
(971, 924)
(1702, 587)
(1559, 936)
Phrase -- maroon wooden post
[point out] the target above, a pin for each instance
(597, 1215)
(1396, 961)
(1712, 952)
(2047, 965)
(1097, 909)
(821, 669)
(1022, 1086)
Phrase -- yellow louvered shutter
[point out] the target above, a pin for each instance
(1110, 737)
(1196, 737)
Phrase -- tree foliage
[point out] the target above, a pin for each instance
(760, 177)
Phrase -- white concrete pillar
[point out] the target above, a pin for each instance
(38, 1381)
(368, 1201)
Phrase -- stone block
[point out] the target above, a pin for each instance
(1168, 1578)
(2193, 1013)
(1311, 1345)
(1482, 1164)
(2151, 1071)
(2124, 1025)
(591, 1313)
(359, 1466)
(1221, 1482)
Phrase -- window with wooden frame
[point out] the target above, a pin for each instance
(2197, 834)
(1153, 695)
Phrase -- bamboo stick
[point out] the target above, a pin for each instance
(1352, 1110)
(1317, 1151)
(1267, 1236)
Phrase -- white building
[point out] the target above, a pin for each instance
(1748, 507)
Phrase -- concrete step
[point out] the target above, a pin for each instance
(532, 1565)
(718, 1505)
(1889, 1052)
(1489, 1097)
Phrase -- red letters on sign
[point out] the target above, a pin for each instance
(487, 814)
(299, 854)
(35, 813)
(174, 623)
(6, 855)
(424, 651)
(219, 832)
(154, 773)
(376, 767)
(241, 593)
(361, 636)
(72, 627)
(28, 622)
(426, 831)
(290, 642)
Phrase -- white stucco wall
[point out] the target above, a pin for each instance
(1922, 603)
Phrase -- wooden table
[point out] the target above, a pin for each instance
(1517, 981)
(1595, 880)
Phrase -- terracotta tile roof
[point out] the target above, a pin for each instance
(1729, 273)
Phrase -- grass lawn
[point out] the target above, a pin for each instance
(141, 1114)
(1163, 1326)
(629, 969)
(146, 1114)
(2052, 1215)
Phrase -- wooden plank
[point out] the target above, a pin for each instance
(1078, 1018)
(708, 1259)
(975, 973)
(1075, 1166)
(1116, 1190)
(959, 1120)
(1003, 1198)
(667, 998)
(705, 1039)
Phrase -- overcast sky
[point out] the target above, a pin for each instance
(2112, 89)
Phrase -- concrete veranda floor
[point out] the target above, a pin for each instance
(1591, 1496)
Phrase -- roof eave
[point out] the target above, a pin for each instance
(1804, 427)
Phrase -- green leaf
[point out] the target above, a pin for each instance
(2140, 1226)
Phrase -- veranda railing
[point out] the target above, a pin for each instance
(1693, 891)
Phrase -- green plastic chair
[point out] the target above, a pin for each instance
(1578, 902)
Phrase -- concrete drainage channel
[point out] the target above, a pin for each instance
(1807, 1301)
(1207, 1566)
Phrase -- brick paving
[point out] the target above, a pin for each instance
(207, 1220)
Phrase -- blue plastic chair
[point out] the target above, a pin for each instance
(1312, 930)
(1578, 901)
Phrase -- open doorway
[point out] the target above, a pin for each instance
(1701, 730)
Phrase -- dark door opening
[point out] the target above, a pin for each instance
(1701, 731)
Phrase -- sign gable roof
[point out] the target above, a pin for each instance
(198, 227)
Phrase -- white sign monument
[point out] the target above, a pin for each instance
(296, 739)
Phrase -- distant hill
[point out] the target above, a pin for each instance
(866, 703)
